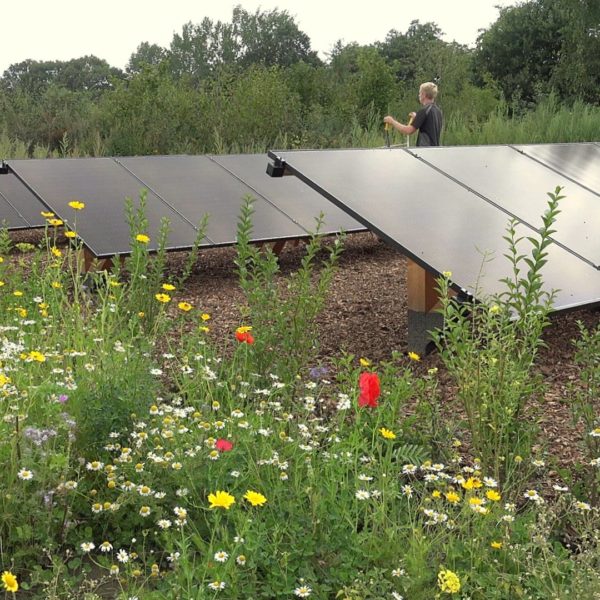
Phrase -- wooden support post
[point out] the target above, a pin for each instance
(422, 295)
(278, 247)
(102, 264)
(422, 300)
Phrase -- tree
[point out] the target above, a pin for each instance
(30, 76)
(522, 49)
(407, 53)
(146, 54)
(193, 53)
(578, 72)
(87, 74)
(270, 38)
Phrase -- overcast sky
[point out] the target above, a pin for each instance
(113, 29)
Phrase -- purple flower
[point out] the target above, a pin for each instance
(63, 398)
(318, 372)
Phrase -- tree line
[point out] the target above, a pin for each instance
(255, 82)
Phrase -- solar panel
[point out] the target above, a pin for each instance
(19, 208)
(580, 162)
(435, 220)
(518, 185)
(288, 194)
(102, 185)
(195, 185)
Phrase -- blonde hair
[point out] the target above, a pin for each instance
(429, 89)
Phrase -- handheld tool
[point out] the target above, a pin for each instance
(410, 120)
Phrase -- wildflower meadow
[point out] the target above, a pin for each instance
(145, 458)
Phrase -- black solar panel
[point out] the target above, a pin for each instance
(195, 185)
(436, 221)
(580, 162)
(518, 185)
(102, 185)
(288, 194)
(19, 208)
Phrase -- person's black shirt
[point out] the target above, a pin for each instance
(429, 123)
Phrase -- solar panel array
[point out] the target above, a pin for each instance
(181, 189)
(448, 208)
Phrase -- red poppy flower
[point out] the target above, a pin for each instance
(369, 389)
(223, 445)
(244, 337)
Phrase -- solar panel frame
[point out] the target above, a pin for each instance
(21, 208)
(440, 255)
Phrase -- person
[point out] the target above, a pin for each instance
(428, 120)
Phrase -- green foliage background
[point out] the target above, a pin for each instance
(255, 82)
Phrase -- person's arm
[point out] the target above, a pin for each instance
(404, 129)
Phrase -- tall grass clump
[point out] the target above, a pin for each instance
(585, 410)
(489, 348)
(548, 122)
(283, 315)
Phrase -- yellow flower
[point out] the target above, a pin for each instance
(1, 260)
(55, 222)
(22, 312)
(168, 287)
(449, 582)
(56, 285)
(37, 356)
(184, 306)
(205, 316)
(47, 215)
(493, 495)
(2, 283)
(243, 329)
(70, 234)
(142, 238)
(472, 483)
(414, 356)
(56, 252)
(4, 380)
(436, 494)
(475, 501)
(10, 582)
(17, 293)
(365, 362)
(255, 498)
(141, 314)
(221, 500)
(496, 545)
(164, 298)
(77, 205)
(204, 329)
(452, 497)
(387, 434)
(447, 274)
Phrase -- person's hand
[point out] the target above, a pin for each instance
(388, 120)
(412, 115)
